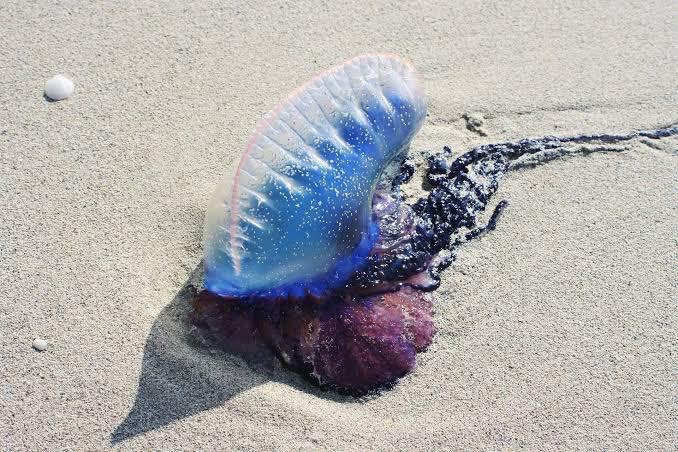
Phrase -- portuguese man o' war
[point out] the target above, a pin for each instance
(295, 217)
(312, 253)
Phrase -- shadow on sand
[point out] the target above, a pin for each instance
(184, 372)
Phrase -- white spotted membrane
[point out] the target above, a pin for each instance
(295, 216)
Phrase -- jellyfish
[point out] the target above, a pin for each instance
(311, 252)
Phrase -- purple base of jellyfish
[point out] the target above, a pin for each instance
(366, 336)
(352, 345)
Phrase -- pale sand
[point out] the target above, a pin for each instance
(557, 331)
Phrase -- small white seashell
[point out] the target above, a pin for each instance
(40, 344)
(59, 88)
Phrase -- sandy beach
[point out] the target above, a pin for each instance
(557, 331)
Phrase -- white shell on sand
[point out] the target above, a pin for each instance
(59, 88)
(40, 344)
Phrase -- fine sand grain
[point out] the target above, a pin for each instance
(556, 331)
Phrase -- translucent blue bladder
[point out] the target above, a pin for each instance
(295, 216)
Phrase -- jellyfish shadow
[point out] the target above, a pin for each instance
(184, 372)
